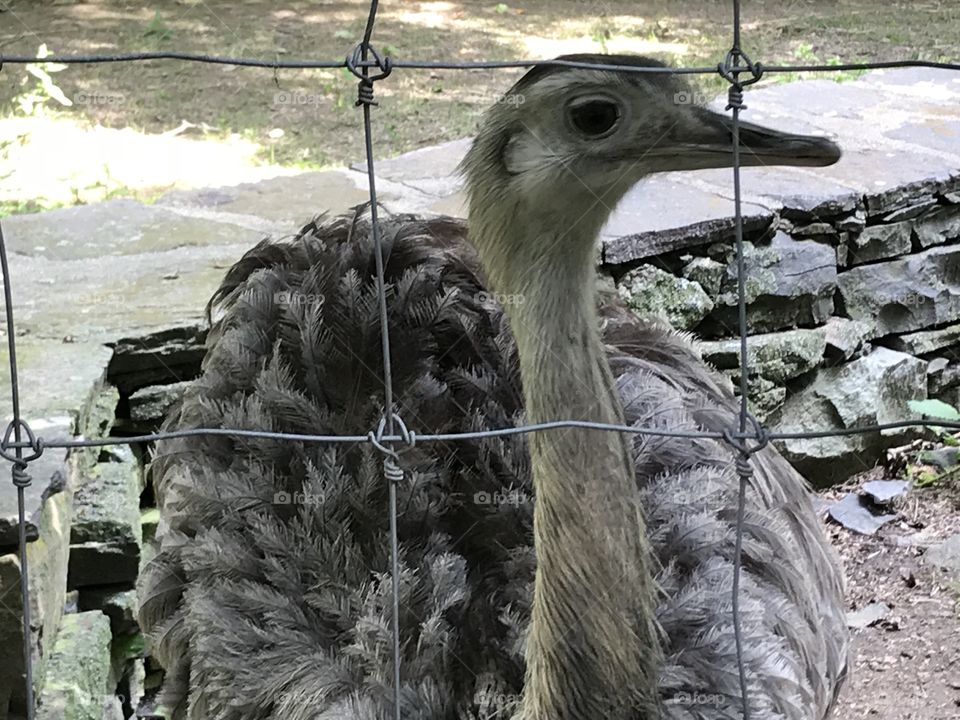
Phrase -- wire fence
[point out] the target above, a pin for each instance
(21, 446)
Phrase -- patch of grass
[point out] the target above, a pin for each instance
(157, 29)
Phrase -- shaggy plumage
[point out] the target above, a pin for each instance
(270, 596)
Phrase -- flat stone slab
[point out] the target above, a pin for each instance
(775, 356)
(115, 228)
(288, 202)
(906, 294)
(870, 390)
(106, 538)
(171, 355)
(662, 215)
(927, 341)
(648, 290)
(431, 170)
(789, 283)
(78, 684)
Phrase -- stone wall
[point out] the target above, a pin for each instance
(853, 308)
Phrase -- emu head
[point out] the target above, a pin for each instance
(564, 144)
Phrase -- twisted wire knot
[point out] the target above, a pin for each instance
(36, 444)
(365, 86)
(21, 478)
(745, 451)
(730, 70)
(391, 460)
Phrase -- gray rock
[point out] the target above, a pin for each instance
(943, 458)
(910, 212)
(854, 515)
(778, 357)
(432, 170)
(47, 562)
(149, 520)
(93, 563)
(131, 227)
(868, 615)
(883, 491)
(945, 379)
(789, 283)
(708, 273)
(846, 338)
(170, 356)
(764, 398)
(106, 535)
(662, 215)
(285, 202)
(79, 672)
(946, 555)
(927, 341)
(843, 254)
(819, 230)
(98, 414)
(112, 708)
(901, 193)
(652, 291)
(120, 605)
(871, 390)
(148, 407)
(71, 602)
(881, 241)
(910, 293)
(853, 223)
(938, 227)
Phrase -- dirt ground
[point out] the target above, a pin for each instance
(306, 118)
(907, 665)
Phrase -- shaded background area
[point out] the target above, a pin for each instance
(80, 134)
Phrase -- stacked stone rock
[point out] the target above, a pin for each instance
(90, 544)
(853, 308)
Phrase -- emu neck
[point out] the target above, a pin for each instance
(592, 651)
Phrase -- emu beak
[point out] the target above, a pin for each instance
(705, 140)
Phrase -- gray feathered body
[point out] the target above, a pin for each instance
(262, 608)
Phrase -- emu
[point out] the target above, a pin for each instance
(576, 574)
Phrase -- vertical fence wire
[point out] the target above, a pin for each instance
(392, 472)
(21, 479)
(735, 107)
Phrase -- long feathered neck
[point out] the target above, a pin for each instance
(593, 651)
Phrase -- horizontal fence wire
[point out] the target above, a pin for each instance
(474, 435)
(392, 431)
(90, 59)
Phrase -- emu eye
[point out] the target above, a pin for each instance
(594, 118)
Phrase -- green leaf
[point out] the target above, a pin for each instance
(935, 409)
